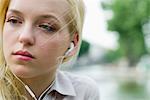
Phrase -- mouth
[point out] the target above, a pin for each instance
(24, 54)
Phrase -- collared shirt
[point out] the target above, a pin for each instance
(68, 86)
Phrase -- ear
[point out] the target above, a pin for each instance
(75, 40)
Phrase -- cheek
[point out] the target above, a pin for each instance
(56, 47)
(52, 53)
(6, 49)
(49, 55)
(52, 49)
(8, 35)
(8, 39)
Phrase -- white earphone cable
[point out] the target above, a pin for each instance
(27, 88)
(30, 92)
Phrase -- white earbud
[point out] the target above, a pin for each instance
(70, 48)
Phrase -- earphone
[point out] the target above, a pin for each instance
(70, 48)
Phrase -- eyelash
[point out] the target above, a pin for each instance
(14, 21)
(48, 28)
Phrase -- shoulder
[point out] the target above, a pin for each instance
(84, 85)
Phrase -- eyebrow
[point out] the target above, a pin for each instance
(41, 16)
(49, 16)
(15, 11)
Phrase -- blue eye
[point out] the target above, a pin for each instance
(48, 28)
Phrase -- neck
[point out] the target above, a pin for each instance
(40, 83)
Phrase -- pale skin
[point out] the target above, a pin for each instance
(25, 29)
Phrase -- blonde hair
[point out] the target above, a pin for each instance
(10, 87)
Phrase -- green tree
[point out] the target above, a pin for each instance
(128, 19)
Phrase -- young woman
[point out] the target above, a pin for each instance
(37, 36)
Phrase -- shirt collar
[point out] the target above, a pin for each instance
(63, 85)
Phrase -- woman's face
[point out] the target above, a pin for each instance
(31, 40)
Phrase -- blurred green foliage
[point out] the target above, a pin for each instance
(128, 19)
(133, 89)
(111, 56)
(85, 46)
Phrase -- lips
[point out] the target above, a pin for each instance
(23, 53)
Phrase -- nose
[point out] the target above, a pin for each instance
(26, 36)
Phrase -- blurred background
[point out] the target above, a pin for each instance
(116, 47)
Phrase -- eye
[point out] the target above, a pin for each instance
(47, 28)
(14, 21)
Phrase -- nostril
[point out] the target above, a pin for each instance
(26, 39)
(26, 35)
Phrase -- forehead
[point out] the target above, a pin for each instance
(35, 7)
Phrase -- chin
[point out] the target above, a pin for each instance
(21, 71)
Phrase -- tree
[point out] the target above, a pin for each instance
(128, 19)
